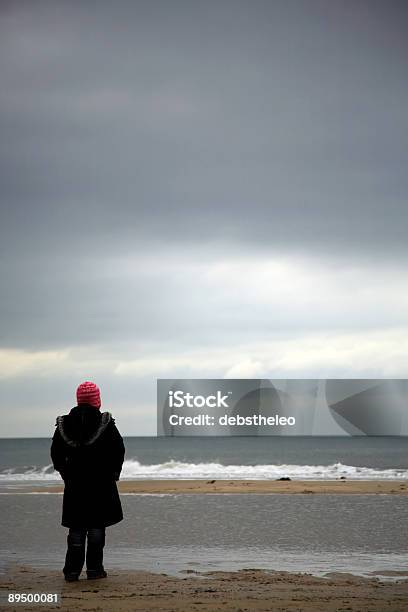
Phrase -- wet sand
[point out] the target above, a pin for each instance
(245, 590)
(358, 487)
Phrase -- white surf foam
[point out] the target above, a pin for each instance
(133, 469)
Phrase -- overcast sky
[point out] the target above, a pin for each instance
(197, 189)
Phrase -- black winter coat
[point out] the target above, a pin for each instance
(88, 451)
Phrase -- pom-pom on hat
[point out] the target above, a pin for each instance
(89, 393)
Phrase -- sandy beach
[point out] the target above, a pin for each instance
(244, 590)
(358, 487)
(241, 590)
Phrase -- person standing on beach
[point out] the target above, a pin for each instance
(88, 451)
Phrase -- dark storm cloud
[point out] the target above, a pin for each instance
(158, 159)
(273, 125)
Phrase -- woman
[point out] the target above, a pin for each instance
(88, 451)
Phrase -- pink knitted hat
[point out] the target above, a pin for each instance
(88, 393)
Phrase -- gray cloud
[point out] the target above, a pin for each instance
(190, 177)
(277, 124)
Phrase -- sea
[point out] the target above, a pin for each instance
(318, 534)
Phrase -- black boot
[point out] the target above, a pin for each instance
(94, 574)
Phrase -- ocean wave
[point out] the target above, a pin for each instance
(31, 472)
(133, 469)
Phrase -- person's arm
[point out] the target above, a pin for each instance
(58, 453)
(118, 451)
